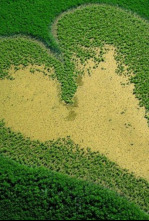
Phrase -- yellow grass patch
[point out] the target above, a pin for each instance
(105, 116)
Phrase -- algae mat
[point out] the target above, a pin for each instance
(105, 116)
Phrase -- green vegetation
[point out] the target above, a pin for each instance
(129, 34)
(34, 17)
(38, 194)
(109, 25)
(43, 194)
(65, 157)
(24, 51)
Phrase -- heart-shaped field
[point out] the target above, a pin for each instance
(78, 106)
(105, 116)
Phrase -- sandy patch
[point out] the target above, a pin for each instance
(105, 117)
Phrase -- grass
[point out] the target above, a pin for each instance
(39, 194)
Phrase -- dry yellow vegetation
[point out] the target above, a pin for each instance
(105, 116)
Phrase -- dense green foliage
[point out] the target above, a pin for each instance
(34, 17)
(37, 194)
(65, 157)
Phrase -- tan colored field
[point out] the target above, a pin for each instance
(106, 115)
